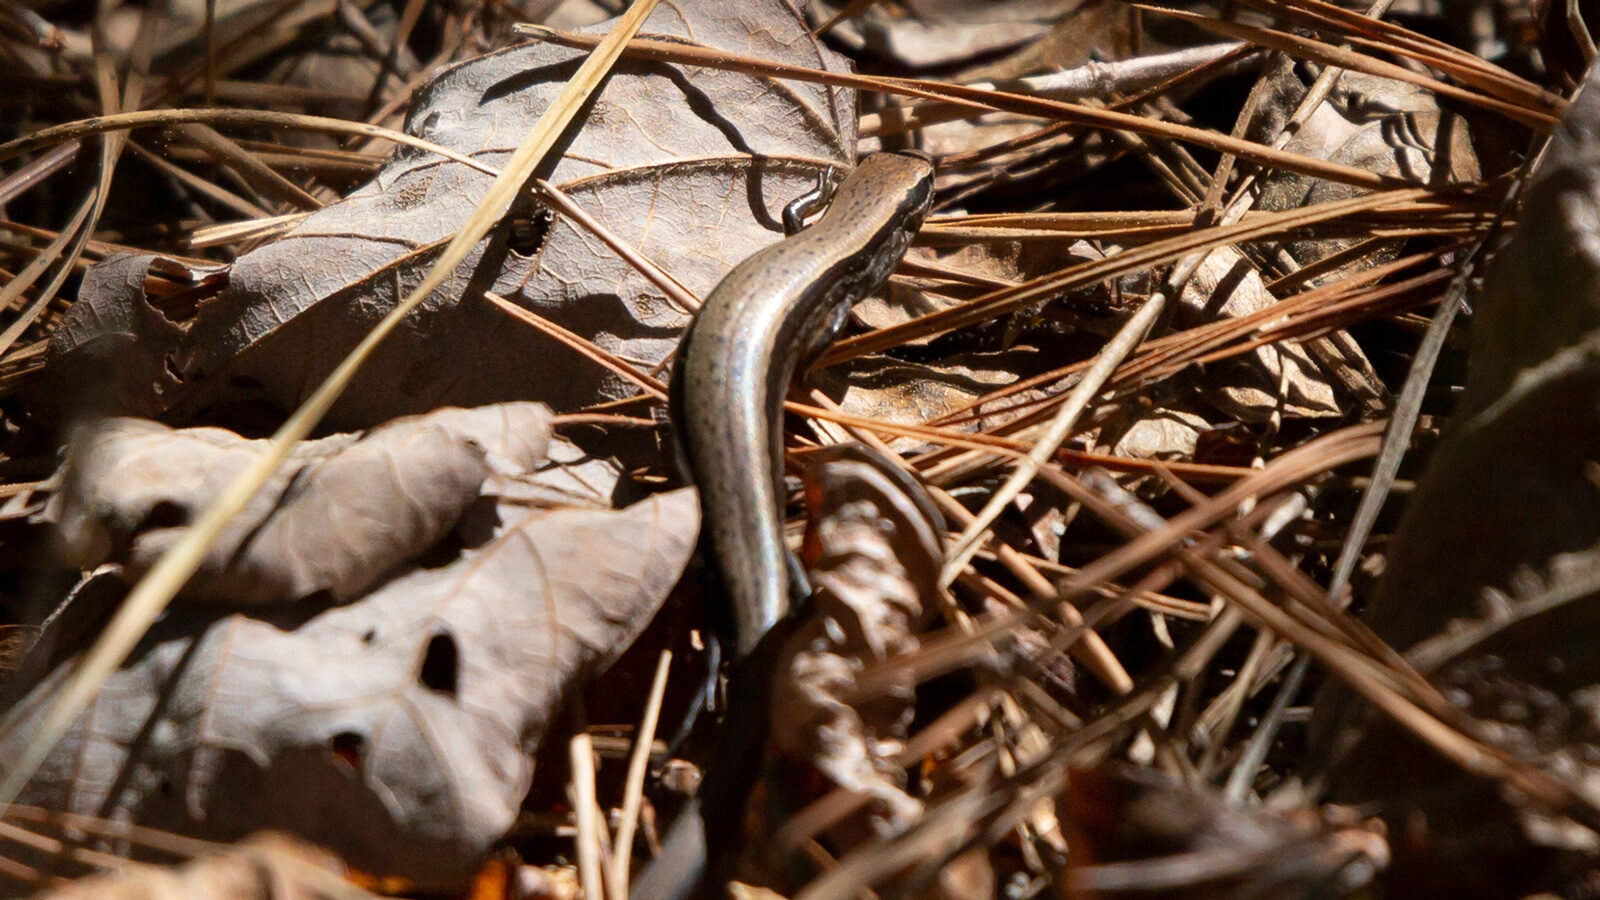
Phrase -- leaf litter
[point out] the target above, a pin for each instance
(374, 653)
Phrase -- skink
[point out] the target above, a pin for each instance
(767, 316)
(772, 313)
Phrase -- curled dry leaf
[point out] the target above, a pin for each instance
(911, 393)
(340, 514)
(331, 62)
(1377, 124)
(120, 338)
(874, 553)
(1494, 574)
(690, 166)
(1161, 434)
(396, 730)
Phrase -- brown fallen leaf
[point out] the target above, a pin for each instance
(1376, 123)
(1161, 434)
(873, 554)
(342, 513)
(120, 338)
(1276, 379)
(911, 393)
(895, 390)
(396, 729)
(690, 166)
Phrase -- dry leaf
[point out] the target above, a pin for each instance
(116, 345)
(340, 514)
(1378, 124)
(396, 730)
(890, 390)
(691, 166)
(895, 390)
(1372, 123)
(873, 551)
(331, 63)
(1278, 379)
(1160, 434)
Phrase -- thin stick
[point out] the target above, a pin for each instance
(83, 223)
(633, 792)
(848, 11)
(36, 171)
(580, 751)
(1053, 284)
(1408, 406)
(1097, 656)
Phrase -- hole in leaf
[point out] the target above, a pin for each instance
(440, 664)
(369, 637)
(174, 297)
(348, 746)
(165, 514)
